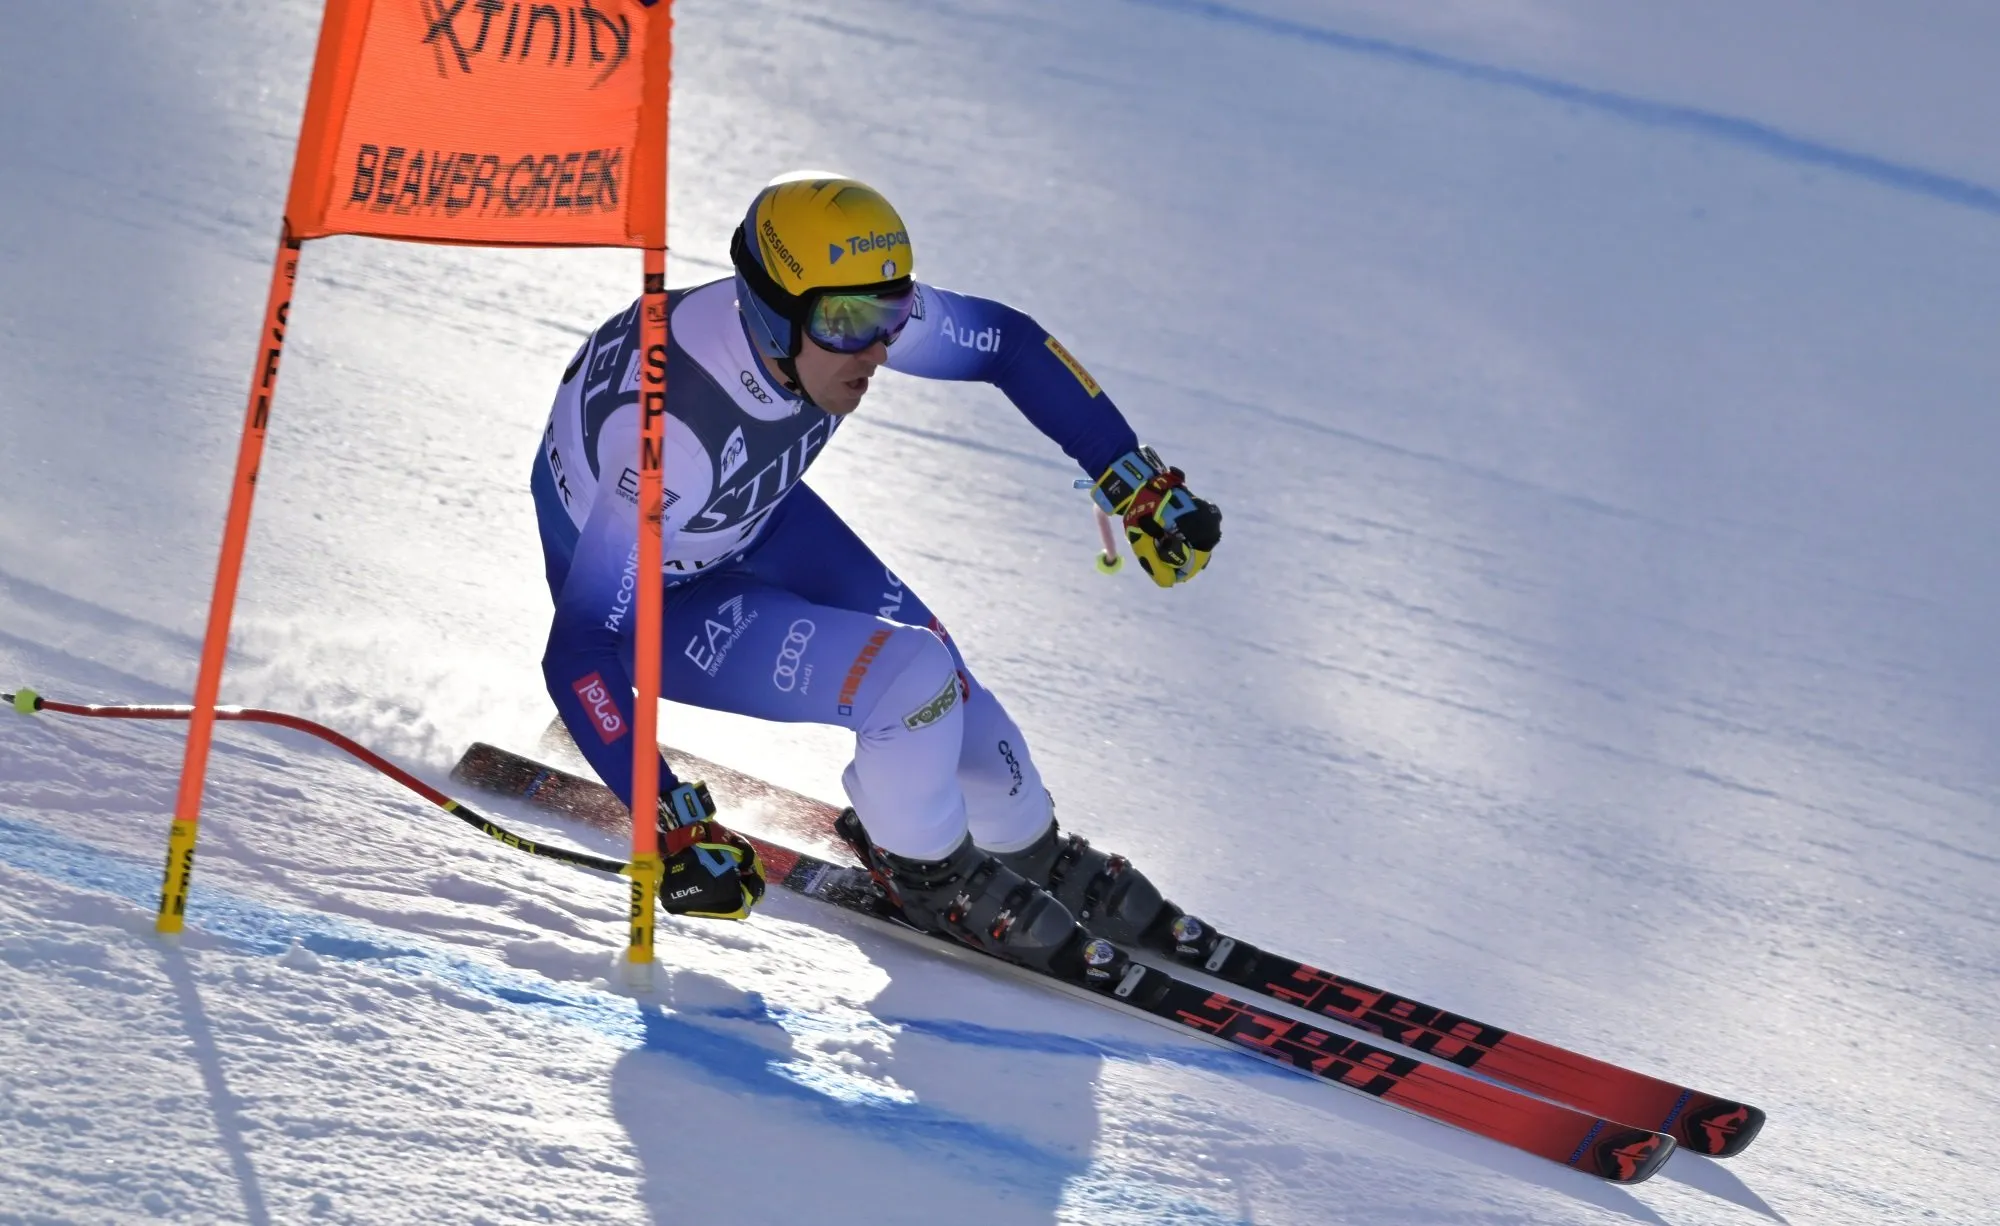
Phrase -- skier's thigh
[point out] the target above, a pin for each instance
(737, 644)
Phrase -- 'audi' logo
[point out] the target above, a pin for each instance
(785, 674)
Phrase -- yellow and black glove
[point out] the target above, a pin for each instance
(711, 871)
(1171, 531)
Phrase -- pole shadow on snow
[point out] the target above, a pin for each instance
(228, 1124)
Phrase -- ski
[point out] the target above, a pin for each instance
(1702, 1123)
(1440, 1092)
(1579, 1139)
(1699, 1122)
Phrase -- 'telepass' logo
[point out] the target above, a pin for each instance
(858, 243)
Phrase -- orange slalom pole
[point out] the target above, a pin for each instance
(647, 866)
(215, 643)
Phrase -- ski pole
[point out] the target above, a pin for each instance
(28, 702)
(1108, 561)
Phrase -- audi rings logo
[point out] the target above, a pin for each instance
(785, 673)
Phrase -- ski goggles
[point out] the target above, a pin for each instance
(849, 323)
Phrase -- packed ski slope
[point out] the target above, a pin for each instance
(1601, 644)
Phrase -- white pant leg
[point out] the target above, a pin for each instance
(1005, 803)
(904, 777)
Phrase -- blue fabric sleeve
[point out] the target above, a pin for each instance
(957, 336)
(590, 641)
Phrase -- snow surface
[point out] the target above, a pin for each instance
(1602, 400)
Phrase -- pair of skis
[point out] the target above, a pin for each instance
(1600, 1118)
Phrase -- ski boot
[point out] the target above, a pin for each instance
(972, 897)
(1104, 892)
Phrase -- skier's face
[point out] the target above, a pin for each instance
(837, 381)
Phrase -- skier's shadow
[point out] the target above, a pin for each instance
(728, 1116)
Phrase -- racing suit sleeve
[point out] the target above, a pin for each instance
(957, 336)
(596, 616)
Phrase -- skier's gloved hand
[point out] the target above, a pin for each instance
(711, 871)
(1171, 531)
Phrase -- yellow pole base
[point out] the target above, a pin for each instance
(180, 867)
(646, 870)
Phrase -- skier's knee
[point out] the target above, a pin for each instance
(919, 687)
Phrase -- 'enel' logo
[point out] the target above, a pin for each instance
(596, 699)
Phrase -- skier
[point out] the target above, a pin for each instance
(776, 609)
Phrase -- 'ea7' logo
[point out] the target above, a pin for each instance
(559, 32)
(710, 648)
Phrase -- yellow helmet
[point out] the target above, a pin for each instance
(808, 232)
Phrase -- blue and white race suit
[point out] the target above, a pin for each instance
(774, 607)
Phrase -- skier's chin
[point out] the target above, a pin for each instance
(846, 396)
